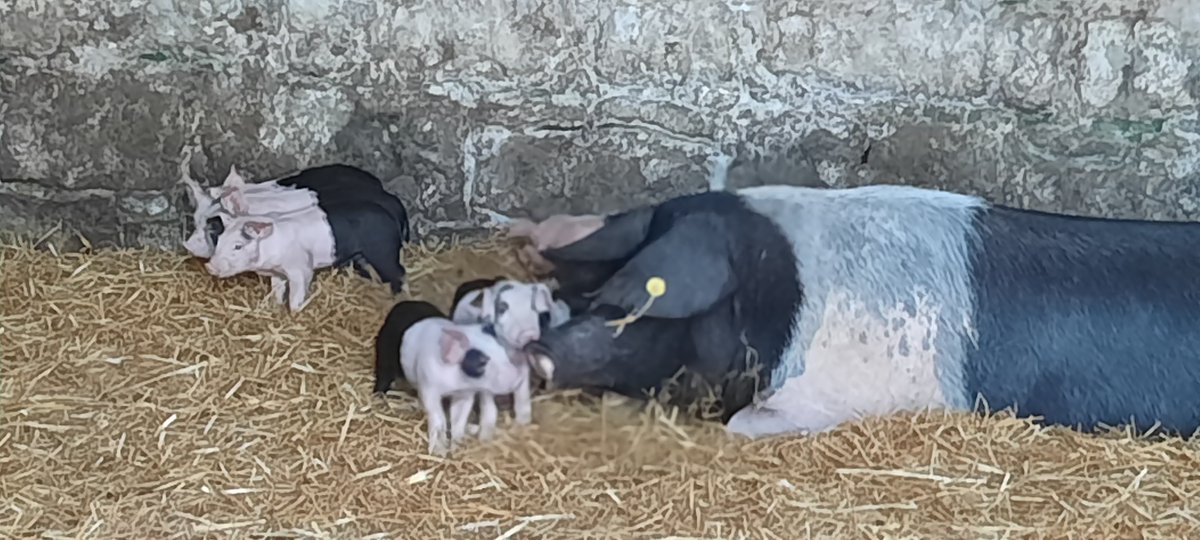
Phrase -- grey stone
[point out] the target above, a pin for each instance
(469, 109)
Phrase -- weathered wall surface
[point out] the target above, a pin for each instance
(530, 106)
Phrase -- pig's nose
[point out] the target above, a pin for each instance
(209, 266)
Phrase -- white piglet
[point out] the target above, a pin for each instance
(445, 359)
(213, 212)
(286, 247)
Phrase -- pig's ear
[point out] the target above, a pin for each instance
(543, 299)
(234, 178)
(619, 236)
(454, 346)
(693, 261)
(196, 192)
(258, 229)
(237, 201)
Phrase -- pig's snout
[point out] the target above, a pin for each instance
(215, 268)
(526, 337)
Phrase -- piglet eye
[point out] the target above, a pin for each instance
(501, 307)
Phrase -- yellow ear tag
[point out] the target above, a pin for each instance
(655, 287)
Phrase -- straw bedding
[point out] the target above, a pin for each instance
(145, 399)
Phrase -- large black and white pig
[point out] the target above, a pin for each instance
(323, 186)
(881, 299)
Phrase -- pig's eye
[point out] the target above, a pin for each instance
(237, 247)
(501, 307)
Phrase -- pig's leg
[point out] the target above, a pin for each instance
(298, 280)
(279, 288)
(384, 257)
(436, 419)
(523, 403)
(487, 415)
(460, 411)
(358, 264)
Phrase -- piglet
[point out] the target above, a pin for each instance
(553, 232)
(438, 355)
(519, 311)
(291, 246)
(390, 336)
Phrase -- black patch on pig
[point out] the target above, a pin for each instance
(387, 341)
(473, 363)
(214, 227)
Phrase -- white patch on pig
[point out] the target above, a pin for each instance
(846, 376)
(431, 355)
(866, 256)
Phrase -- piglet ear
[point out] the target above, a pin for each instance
(543, 299)
(237, 200)
(234, 178)
(454, 346)
(258, 229)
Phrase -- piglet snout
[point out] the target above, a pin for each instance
(527, 337)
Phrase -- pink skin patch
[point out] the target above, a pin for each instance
(553, 232)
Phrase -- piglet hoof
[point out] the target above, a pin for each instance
(487, 433)
(439, 449)
(473, 430)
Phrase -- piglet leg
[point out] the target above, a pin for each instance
(298, 280)
(523, 403)
(436, 419)
(487, 415)
(279, 288)
(460, 411)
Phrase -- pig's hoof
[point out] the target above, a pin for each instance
(473, 429)
(439, 446)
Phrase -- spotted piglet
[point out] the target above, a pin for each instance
(445, 359)
(520, 311)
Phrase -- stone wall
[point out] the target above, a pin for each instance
(523, 107)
